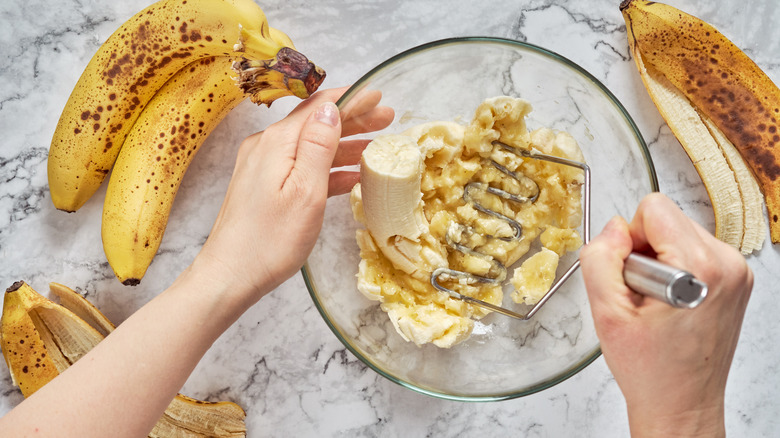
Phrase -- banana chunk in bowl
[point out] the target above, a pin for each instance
(412, 204)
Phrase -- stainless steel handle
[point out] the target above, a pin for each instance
(650, 277)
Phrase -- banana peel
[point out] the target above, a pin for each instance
(690, 68)
(754, 231)
(29, 361)
(40, 339)
(733, 192)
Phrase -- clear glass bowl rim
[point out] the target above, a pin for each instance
(357, 86)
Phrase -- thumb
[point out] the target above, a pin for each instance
(317, 145)
(602, 262)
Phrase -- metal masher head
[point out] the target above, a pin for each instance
(498, 270)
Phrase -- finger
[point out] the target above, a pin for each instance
(602, 261)
(317, 146)
(362, 116)
(304, 108)
(373, 120)
(349, 152)
(300, 114)
(360, 103)
(661, 226)
(341, 182)
(288, 128)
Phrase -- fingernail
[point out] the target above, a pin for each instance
(327, 113)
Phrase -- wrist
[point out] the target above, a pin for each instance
(704, 420)
(210, 281)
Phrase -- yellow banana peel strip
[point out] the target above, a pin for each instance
(695, 76)
(82, 308)
(40, 339)
(754, 231)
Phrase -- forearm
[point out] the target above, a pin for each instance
(124, 384)
(268, 224)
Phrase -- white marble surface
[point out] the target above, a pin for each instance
(280, 361)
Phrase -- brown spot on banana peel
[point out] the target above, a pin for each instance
(721, 81)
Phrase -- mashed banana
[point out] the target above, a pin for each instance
(455, 155)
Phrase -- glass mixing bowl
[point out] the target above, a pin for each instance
(504, 358)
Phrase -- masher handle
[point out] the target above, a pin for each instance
(674, 286)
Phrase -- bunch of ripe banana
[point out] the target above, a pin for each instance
(40, 339)
(721, 107)
(146, 102)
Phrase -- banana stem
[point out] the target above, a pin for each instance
(288, 68)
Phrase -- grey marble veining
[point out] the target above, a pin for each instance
(280, 361)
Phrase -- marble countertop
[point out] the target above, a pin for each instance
(280, 361)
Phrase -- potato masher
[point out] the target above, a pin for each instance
(642, 274)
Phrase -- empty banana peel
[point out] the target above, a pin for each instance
(734, 194)
(721, 107)
(24, 348)
(40, 339)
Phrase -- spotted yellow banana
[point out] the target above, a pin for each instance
(154, 158)
(135, 62)
(722, 108)
(40, 339)
(161, 145)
